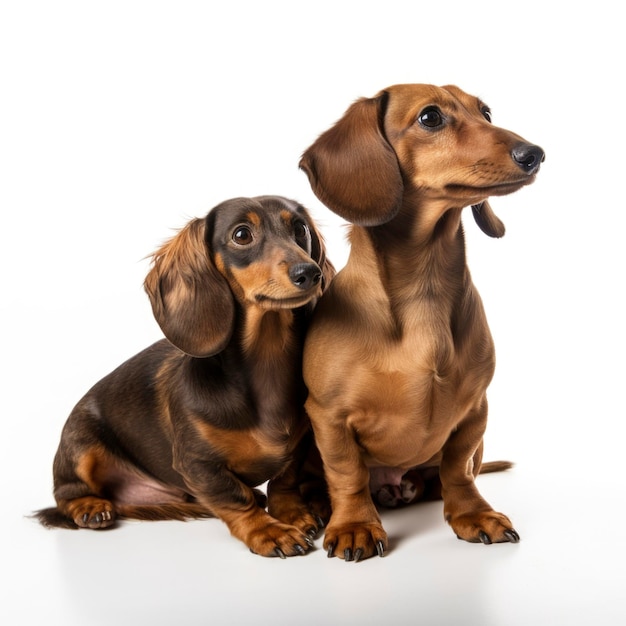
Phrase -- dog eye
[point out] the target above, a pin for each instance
(243, 236)
(486, 111)
(430, 117)
(300, 230)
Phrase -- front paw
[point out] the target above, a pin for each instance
(355, 542)
(276, 539)
(301, 517)
(485, 527)
(309, 513)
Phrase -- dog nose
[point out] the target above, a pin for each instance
(528, 157)
(305, 275)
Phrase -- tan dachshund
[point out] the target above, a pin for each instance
(399, 354)
(193, 424)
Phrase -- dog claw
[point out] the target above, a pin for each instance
(484, 537)
(320, 522)
(512, 536)
(280, 553)
(309, 541)
(380, 548)
(357, 555)
(299, 549)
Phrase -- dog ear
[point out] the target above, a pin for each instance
(487, 220)
(191, 300)
(352, 168)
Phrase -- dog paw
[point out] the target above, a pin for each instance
(92, 512)
(318, 506)
(279, 540)
(355, 542)
(309, 516)
(388, 496)
(302, 519)
(309, 523)
(486, 527)
(410, 490)
(394, 496)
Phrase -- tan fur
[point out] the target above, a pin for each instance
(399, 354)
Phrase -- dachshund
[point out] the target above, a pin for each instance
(191, 426)
(402, 327)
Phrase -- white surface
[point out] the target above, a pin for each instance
(119, 121)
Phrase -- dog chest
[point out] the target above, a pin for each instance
(255, 454)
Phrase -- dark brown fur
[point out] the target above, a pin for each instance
(193, 424)
(402, 324)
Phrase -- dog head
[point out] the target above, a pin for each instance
(264, 252)
(435, 143)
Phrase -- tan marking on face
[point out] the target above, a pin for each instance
(266, 282)
(286, 217)
(219, 263)
(254, 218)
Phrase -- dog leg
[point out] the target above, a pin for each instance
(299, 496)
(468, 513)
(354, 531)
(238, 506)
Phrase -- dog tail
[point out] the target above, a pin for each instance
(495, 466)
(179, 511)
(53, 518)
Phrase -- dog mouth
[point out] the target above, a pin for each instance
(290, 302)
(495, 189)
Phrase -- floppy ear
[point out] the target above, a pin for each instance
(352, 168)
(191, 301)
(487, 220)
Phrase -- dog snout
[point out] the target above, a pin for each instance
(528, 157)
(305, 275)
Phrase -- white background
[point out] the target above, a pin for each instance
(121, 120)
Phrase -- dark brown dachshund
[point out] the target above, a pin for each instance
(402, 327)
(189, 427)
